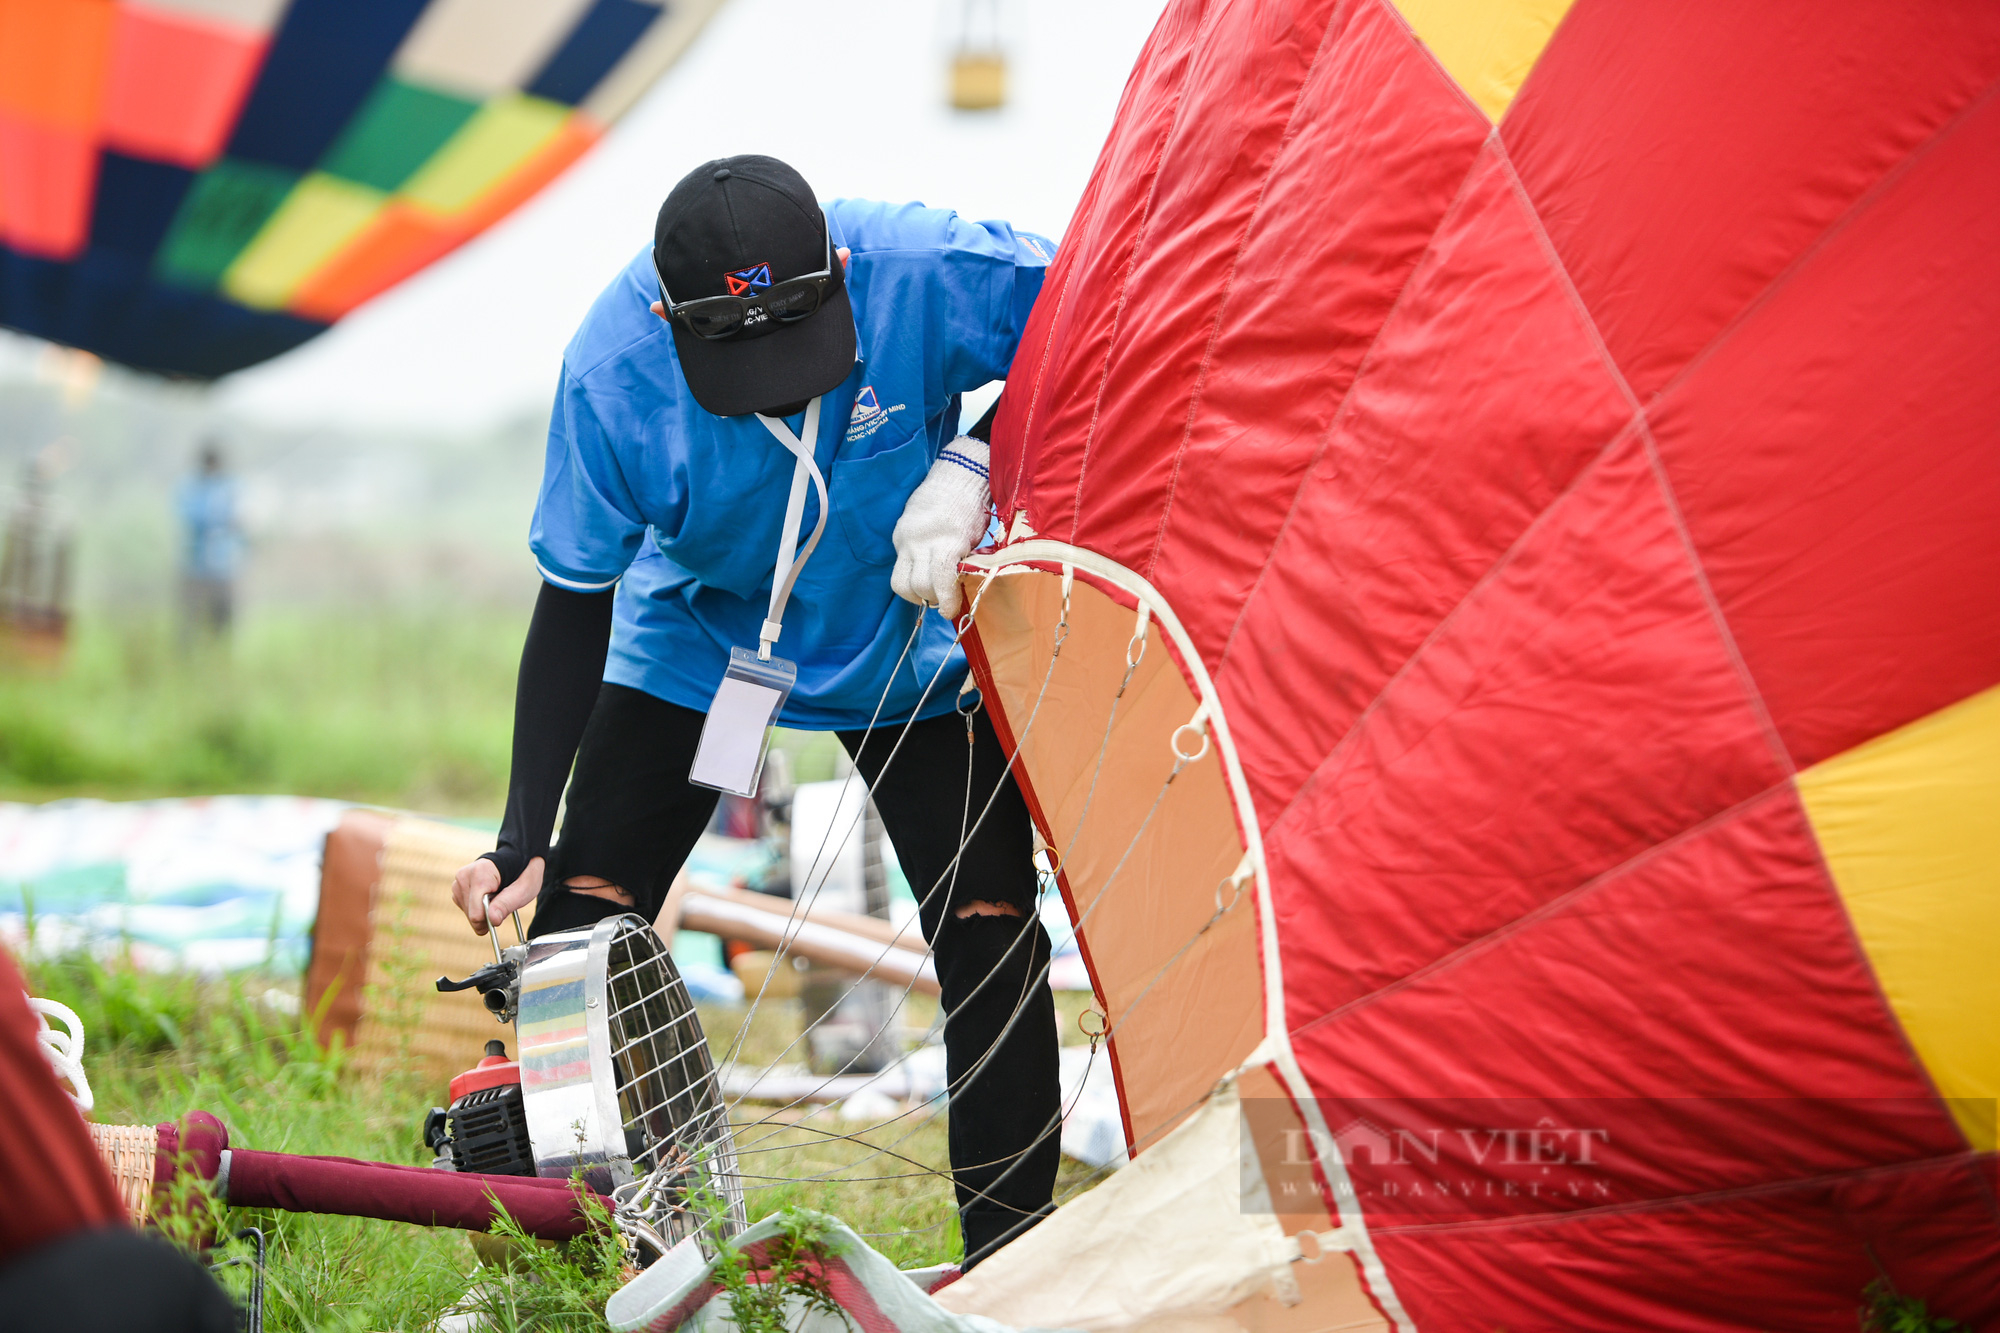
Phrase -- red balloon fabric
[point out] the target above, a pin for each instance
(50, 1176)
(1570, 469)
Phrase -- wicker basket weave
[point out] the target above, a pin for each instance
(127, 1151)
(417, 933)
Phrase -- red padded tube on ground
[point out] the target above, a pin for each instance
(550, 1209)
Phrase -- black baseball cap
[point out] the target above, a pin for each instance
(753, 220)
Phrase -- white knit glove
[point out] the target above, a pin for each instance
(944, 519)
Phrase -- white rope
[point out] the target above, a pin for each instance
(810, 892)
(1014, 1017)
(951, 868)
(1182, 761)
(831, 1176)
(835, 1175)
(807, 894)
(1132, 660)
(949, 874)
(965, 838)
(64, 1049)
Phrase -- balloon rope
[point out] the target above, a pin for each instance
(804, 898)
(951, 868)
(835, 1174)
(1181, 762)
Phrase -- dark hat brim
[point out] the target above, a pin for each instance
(791, 363)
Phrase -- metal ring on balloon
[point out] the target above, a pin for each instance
(1175, 742)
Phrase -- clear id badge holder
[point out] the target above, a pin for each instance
(737, 735)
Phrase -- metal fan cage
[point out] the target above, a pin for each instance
(676, 1125)
(616, 1079)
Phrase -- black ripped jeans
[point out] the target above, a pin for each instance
(633, 817)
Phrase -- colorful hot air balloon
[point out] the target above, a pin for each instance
(1501, 615)
(192, 186)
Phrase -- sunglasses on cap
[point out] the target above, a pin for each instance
(712, 318)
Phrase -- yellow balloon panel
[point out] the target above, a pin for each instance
(1910, 824)
(1487, 46)
(504, 133)
(320, 215)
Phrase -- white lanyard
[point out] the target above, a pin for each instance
(786, 572)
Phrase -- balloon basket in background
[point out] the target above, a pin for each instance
(979, 58)
(978, 81)
(386, 927)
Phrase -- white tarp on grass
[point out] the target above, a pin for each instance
(214, 883)
(221, 883)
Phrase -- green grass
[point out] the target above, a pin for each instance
(1886, 1310)
(411, 707)
(405, 707)
(161, 1045)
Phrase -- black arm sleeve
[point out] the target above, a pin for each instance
(562, 666)
(982, 430)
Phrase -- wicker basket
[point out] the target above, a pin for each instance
(386, 916)
(127, 1152)
(419, 934)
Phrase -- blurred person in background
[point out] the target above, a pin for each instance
(213, 548)
(762, 340)
(35, 564)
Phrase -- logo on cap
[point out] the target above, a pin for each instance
(748, 279)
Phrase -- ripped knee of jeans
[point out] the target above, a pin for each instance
(594, 887)
(983, 907)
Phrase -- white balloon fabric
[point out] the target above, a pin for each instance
(680, 1292)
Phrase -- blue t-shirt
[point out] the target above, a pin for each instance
(681, 509)
(208, 511)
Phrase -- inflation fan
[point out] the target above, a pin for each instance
(614, 1082)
